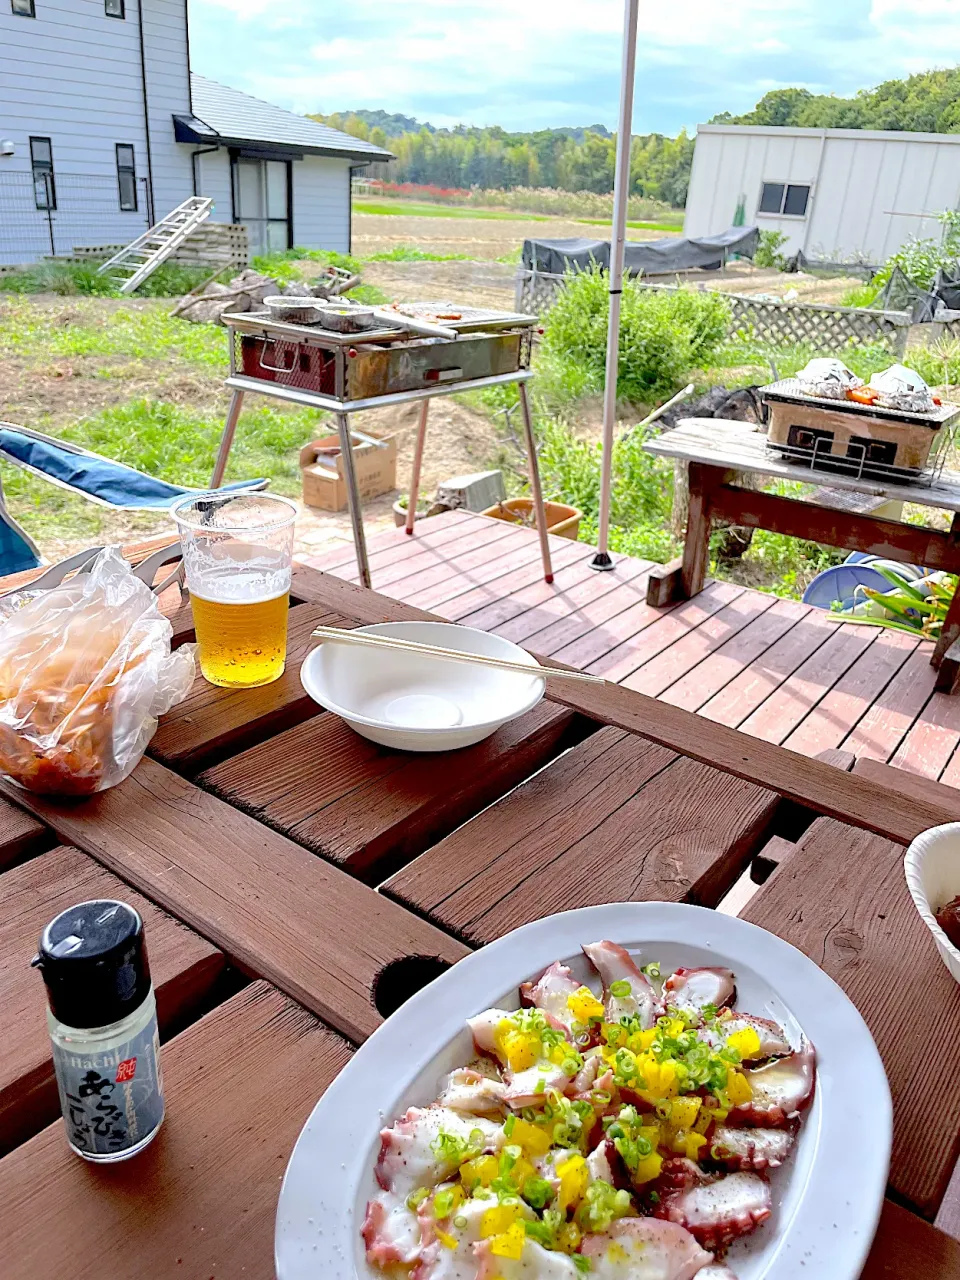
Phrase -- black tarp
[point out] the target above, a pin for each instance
(650, 257)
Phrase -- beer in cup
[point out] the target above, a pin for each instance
(238, 554)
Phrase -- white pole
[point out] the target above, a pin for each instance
(621, 192)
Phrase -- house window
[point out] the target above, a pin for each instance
(127, 177)
(23, 8)
(786, 199)
(261, 201)
(44, 187)
(114, 8)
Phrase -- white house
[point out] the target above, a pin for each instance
(845, 194)
(103, 130)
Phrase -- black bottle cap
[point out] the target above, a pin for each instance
(94, 961)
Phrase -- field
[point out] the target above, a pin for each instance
(125, 379)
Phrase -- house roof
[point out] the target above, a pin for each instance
(227, 116)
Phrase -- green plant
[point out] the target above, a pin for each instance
(76, 279)
(905, 607)
(861, 295)
(282, 264)
(410, 253)
(662, 336)
(921, 257)
(768, 250)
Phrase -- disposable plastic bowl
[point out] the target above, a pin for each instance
(413, 703)
(932, 868)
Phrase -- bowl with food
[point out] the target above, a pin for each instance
(636, 1091)
(932, 868)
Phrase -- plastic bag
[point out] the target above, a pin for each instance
(85, 669)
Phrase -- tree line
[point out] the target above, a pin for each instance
(584, 159)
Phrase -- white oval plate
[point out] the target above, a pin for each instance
(827, 1199)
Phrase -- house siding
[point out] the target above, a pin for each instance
(73, 75)
(866, 189)
(321, 203)
(215, 181)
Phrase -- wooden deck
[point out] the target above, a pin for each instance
(774, 668)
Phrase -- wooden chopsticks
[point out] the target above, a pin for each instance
(366, 640)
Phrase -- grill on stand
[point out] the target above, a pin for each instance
(858, 439)
(390, 356)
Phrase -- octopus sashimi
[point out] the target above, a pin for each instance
(407, 1160)
(390, 1232)
(472, 1092)
(644, 1249)
(718, 1211)
(781, 1090)
(550, 993)
(755, 1149)
(437, 1260)
(716, 1271)
(535, 1263)
(527, 1088)
(614, 964)
(773, 1043)
(693, 990)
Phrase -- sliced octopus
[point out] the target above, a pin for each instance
(717, 1211)
(644, 1249)
(550, 994)
(781, 1090)
(407, 1159)
(693, 990)
(472, 1092)
(755, 1149)
(615, 965)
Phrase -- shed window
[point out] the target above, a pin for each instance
(23, 8)
(114, 8)
(788, 199)
(127, 177)
(44, 187)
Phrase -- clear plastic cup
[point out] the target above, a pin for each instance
(238, 557)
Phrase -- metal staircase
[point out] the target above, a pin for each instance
(132, 265)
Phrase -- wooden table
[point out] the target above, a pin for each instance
(718, 451)
(298, 883)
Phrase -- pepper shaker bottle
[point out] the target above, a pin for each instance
(102, 1019)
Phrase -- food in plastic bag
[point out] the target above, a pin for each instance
(900, 388)
(85, 669)
(828, 379)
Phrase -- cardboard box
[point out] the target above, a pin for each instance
(321, 466)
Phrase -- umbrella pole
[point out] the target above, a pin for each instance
(621, 192)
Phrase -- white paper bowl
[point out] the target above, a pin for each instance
(412, 703)
(932, 868)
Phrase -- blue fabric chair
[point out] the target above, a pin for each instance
(79, 471)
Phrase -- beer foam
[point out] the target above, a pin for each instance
(239, 584)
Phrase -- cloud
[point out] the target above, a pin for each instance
(550, 62)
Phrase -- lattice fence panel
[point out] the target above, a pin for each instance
(778, 323)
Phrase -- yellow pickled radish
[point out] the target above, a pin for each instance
(574, 1180)
(448, 1241)
(693, 1142)
(498, 1219)
(738, 1088)
(534, 1139)
(510, 1243)
(746, 1042)
(684, 1112)
(648, 1168)
(521, 1049)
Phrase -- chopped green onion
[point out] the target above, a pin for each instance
(443, 1204)
(537, 1192)
(540, 1086)
(620, 989)
(460, 1221)
(583, 1265)
(569, 1066)
(652, 970)
(508, 1126)
(416, 1198)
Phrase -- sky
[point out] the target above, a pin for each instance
(528, 64)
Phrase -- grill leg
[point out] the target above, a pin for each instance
(226, 440)
(417, 463)
(353, 498)
(535, 485)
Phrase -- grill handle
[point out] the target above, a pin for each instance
(274, 368)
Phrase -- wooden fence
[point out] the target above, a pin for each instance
(212, 243)
(777, 323)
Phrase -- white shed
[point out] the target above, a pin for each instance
(850, 195)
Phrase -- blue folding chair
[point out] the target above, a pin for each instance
(87, 474)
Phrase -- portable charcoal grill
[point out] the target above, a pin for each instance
(862, 440)
(345, 373)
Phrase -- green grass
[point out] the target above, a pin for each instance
(408, 209)
(77, 279)
(136, 333)
(410, 253)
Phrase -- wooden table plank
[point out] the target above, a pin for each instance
(842, 899)
(20, 835)
(277, 910)
(200, 1201)
(185, 970)
(907, 1248)
(212, 722)
(370, 809)
(613, 820)
(910, 785)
